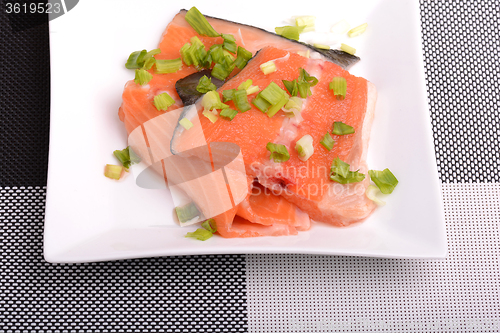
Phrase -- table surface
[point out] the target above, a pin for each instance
(268, 293)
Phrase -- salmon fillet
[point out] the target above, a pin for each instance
(306, 184)
(286, 209)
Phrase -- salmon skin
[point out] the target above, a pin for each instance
(305, 184)
(252, 217)
(339, 57)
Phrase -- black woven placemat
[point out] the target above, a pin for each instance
(200, 293)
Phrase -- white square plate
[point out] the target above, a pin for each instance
(92, 218)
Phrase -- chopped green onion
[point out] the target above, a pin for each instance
(304, 147)
(327, 141)
(228, 94)
(358, 30)
(384, 180)
(272, 93)
(240, 99)
(275, 108)
(216, 53)
(142, 76)
(268, 67)
(289, 32)
(346, 48)
(200, 23)
(279, 153)
(252, 90)
(149, 63)
(261, 103)
(213, 118)
(321, 46)
(339, 87)
(228, 113)
(210, 225)
(211, 100)
(220, 72)
(305, 22)
(187, 212)
(291, 86)
(152, 53)
(245, 85)
(339, 128)
(205, 85)
(340, 173)
(242, 57)
(113, 171)
(199, 234)
(371, 193)
(163, 101)
(126, 157)
(305, 77)
(136, 59)
(187, 54)
(168, 66)
(229, 43)
(304, 89)
(293, 103)
(186, 123)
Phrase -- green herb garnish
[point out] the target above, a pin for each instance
(340, 173)
(279, 153)
(384, 180)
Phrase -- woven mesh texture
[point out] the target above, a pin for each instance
(25, 102)
(461, 42)
(307, 293)
(174, 294)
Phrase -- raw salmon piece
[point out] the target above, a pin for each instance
(306, 184)
(263, 207)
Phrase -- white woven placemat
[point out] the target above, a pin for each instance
(308, 293)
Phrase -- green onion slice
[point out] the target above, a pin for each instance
(273, 109)
(163, 101)
(136, 59)
(210, 225)
(289, 32)
(339, 87)
(321, 46)
(228, 113)
(305, 77)
(113, 171)
(212, 117)
(358, 30)
(242, 57)
(348, 49)
(199, 23)
(211, 100)
(371, 193)
(240, 99)
(272, 93)
(149, 63)
(205, 85)
(186, 123)
(168, 65)
(228, 94)
(340, 173)
(339, 128)
(268, 67)
(252, 90)
(279, 153)
(291, 86)
(327, 141)
(304, 147)
(384, 180)
(261, 103)
(245, 85)
(126, 157)
(199, 234)
(229, 43)
(142, 76)
(220, 72)
(187, 212)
